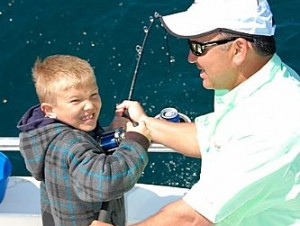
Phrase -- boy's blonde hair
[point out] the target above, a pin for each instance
(59, 73)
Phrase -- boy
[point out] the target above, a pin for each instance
(80, 182)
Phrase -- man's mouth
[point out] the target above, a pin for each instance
(202, 74)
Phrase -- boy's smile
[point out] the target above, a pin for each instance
(78, 107)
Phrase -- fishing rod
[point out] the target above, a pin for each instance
(169, 114)
(139, 49)
(111, 139)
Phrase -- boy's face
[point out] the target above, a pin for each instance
(78, 107)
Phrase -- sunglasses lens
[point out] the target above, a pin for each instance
(195, 48)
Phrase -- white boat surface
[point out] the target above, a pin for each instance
(21, 203)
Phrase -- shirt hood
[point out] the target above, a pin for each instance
(34, 118)
(37, 132)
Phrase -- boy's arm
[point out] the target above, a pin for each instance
(97, 176)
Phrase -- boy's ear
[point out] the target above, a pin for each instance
(48, 110)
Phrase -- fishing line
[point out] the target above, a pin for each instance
(140, 50)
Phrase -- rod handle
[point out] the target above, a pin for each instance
(126, 115)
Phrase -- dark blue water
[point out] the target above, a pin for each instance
(106, 34)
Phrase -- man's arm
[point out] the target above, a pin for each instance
(175, 213)
(178, 136)
(181, 137)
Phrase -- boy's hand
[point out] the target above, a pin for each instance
(136, 115)
(118, 122)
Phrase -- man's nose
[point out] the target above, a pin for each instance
(192, 58)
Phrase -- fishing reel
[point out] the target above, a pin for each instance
(110, 140)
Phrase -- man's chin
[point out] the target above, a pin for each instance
(206, 85)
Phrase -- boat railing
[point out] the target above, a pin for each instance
(12, 144)
(9, 144)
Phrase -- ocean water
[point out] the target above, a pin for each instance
(106, 34)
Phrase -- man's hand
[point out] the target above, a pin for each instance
(99, 223)
(140, 128)
(134, 109)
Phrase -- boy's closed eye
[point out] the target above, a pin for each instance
(74, 101)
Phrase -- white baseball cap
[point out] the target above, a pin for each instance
(203, 17)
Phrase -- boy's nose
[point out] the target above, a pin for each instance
(88, 105)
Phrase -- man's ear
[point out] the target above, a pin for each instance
(48, 110)
(241, 50)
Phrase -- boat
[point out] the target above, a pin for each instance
(21, 202)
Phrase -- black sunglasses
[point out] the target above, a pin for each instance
(198, 48)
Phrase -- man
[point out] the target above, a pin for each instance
(250, 144)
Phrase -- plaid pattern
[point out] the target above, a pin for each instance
(77, 175)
